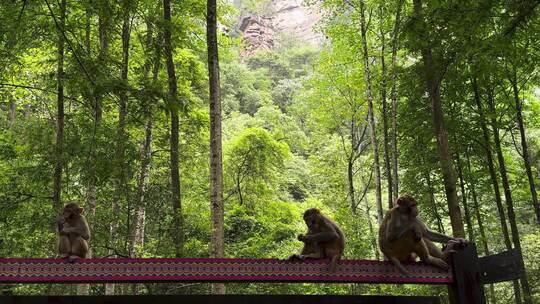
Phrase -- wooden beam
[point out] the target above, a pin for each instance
(220, 299)
(504, 266)
(14, 270)
(467, 287)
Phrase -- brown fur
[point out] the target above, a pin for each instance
(74, 233)
(403, 236)
(324, 239)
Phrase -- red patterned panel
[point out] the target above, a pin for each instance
(15, 270)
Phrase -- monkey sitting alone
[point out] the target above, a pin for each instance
(403, 236)
(74, 233)
(324, 239)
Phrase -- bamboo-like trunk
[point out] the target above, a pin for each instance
(384, 102)
(440, 225)
(525, 148)
(507, 192)
(395, 179)
(59, 147)
(371, 114)
(216, 164)
(174, 133)
(432, 75)
(483, 238)
(466, 208)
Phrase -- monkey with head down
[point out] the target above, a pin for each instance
(403, 236)
(324, 239)
(73, 233)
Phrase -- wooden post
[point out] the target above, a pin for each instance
(467, 287)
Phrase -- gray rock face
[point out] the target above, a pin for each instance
(289, 17)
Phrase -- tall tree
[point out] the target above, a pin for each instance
(524, 146)
(59, 148)
(507, 192)
(433, 77)
(174, 106)
(493, 176)
(386, 147)
(371, 112)
(216, 164)
(395, 38)
(120, 176)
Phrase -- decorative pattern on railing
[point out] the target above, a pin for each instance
(22, 270)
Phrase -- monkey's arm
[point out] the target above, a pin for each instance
(324, 236)
(80, 228)
(84, 230)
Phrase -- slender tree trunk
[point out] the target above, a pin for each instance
(350, 181)
(433, 85)
(387, 152)
(397, 24)
(139, 218)
(216, 165)
(491, 165)
(371, 114)
(120, 178)
(87, 30)
(525, 148)
(174, 106)
(494, 180)
(386, 146)
(483, 238)
(468, 220)
(59, 148)
(440, 225)
(91, 192)
(372, 235)
(507, 193)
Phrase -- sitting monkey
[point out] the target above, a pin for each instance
(403, 236)
(74, 233)
(324, 239)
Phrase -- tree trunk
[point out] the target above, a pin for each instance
(174, 107)
(507, 192)
(468, 220)
(483, 238)
(371, 114)
(372, 235)
(91, 192)
(120, 178)
(440, 225)
(494, 180)
(350, 181)
(386, 146)
(433, 86)
(87, 30)
(491, 165)
(59, 148)
(395, 180)
(525, 148)
(216, 165)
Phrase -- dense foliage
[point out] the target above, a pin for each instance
(295, 130)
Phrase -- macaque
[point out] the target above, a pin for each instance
(403, 236)
(74, 233)
(324, 239)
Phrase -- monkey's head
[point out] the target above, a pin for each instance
(407, 205)
(313, 219)
(72, 211)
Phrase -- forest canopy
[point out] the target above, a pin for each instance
(106, 103)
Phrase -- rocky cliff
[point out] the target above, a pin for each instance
(289, 17)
